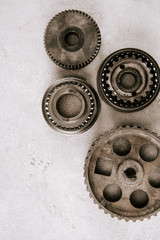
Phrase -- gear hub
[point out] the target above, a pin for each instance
(129, 80)
(71, 105)
(72, 39)
(122, 173)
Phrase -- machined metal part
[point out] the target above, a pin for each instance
(72, 39)
(71, 105)
(129, 79)
(122, 173)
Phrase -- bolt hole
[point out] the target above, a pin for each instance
(112, 193)
(121, 146)
(134, 94)
(139, 198)
(122, 66)
(130, 173)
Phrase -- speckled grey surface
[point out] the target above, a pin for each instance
(42, 191)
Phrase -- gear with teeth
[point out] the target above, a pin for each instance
(129, 79)
(71, 105)
(72, 39)
(122, 173)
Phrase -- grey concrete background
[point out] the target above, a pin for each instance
(42, 191)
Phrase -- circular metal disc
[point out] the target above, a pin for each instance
(129, 80)
(72, 39)
(122, 173)
(70, 105)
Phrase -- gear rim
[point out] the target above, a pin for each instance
(91, 56)
(134, 103)
(101, 203)
(90, 105)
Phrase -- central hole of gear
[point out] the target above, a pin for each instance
(128, 80)
(72, 38)
(69, 105)
(130, 172)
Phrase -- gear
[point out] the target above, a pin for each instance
(122, 173)
(71, 105)
(129, 80)
(72, 39)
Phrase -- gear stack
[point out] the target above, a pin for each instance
(122, 173)
(72, 39)
(122, 169)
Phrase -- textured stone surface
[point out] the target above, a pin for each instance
(42, 191)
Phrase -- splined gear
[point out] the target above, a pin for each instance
(129, 79)
(72, 39)
(122, 173)
(70, 105)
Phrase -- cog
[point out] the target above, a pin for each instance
(71, 105)
(122, 173)
(72, 39)
(129, 80)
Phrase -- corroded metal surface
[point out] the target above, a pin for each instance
(72, 39)
(122, 173)
(70, 105)
(129, 79)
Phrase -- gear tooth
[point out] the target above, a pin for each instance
(135, 127)
(134, 220)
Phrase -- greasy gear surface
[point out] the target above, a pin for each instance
(72, 39)
(122, 173)
(70, 105)
(129, 79)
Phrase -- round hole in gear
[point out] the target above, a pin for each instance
(127, 80)
(121, 146)
(130, 172)
(139, 198)
(112, 193)
(148, 152)
(72, 38)
(69, 105)
(122, 66)
(154, 178)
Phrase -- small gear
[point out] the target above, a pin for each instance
(129, 79)
(70, 105)
(72, 39)
(122, 173)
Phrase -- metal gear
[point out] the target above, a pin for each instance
(129, 79)
(122, 173)
(72, 39)
(71, 105)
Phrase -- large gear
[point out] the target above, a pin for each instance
(72, 39)
(122, 173)
(129, 79)
(71, 105)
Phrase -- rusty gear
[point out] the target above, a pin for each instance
(122, 173)
(70, 105)
(72, 39)
(129, 80)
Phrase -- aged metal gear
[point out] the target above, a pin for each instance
(72, 39)
(71, 105)
(129, 79)
(122, 173)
